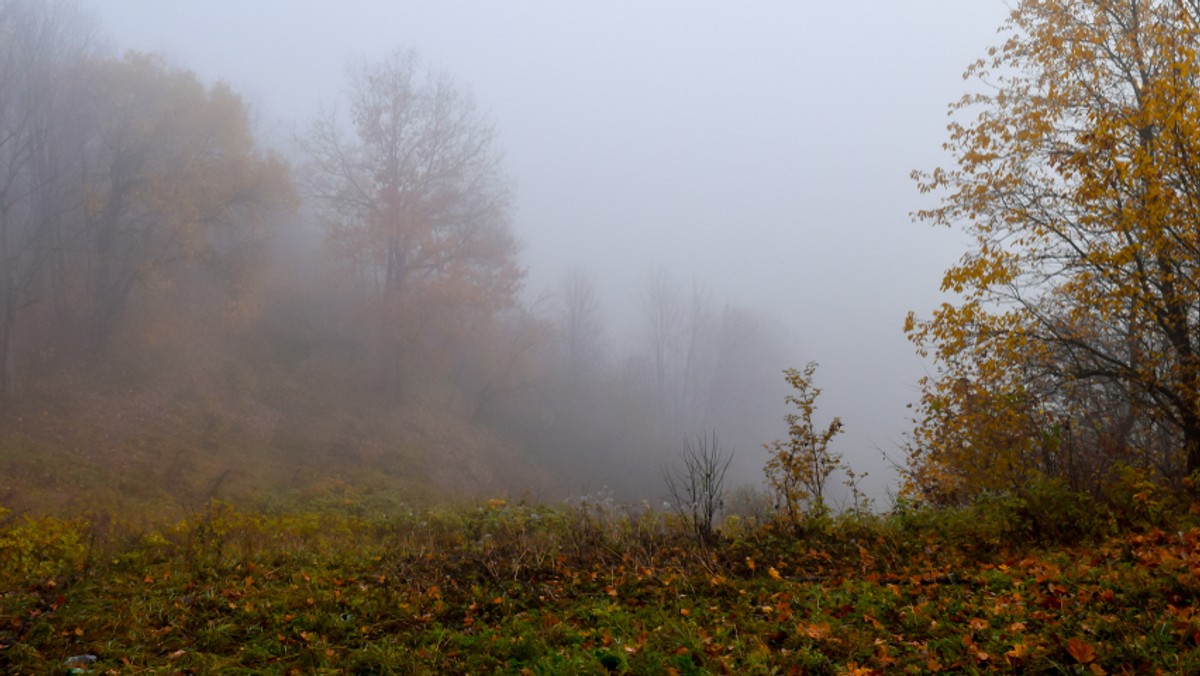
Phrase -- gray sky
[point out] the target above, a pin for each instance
(762, 146)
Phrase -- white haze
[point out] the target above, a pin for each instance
(762, 148)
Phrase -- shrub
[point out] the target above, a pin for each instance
(799, 467)
(698, 488)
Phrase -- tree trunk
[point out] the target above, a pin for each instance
(8, 309)
(7, 355)
(1191, 443)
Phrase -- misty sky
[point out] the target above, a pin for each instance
(763, 147)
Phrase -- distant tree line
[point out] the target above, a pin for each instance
(147, 235)
(120, 179)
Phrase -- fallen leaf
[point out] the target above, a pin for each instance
(814, 631)
(1018, 653)
(1082, 651)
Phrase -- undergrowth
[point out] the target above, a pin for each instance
(1040, 581)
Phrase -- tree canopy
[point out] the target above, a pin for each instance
(1073, 342)
(116, 175)
(412, 194)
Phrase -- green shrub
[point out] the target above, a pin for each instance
(1042, 512)
(39, 549)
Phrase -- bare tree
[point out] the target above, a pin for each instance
(664, 319)
(696, 371)
(41, 43)
(580, 329)
(680, 337)
(697, 488)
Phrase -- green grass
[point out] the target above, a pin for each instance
(590, 589)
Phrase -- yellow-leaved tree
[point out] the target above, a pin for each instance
(799, 468)
(1073, 342)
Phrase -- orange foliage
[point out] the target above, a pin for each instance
(414, 198)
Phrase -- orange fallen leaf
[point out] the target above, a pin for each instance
(1082, 651)
(1018, 653)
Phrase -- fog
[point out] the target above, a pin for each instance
(760, 150)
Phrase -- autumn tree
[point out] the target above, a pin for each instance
(1077, 175)
(175, 181)
(116, 175)
(412, 194)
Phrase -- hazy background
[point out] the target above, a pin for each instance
(761, 148)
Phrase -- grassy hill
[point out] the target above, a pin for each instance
(166, 445)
